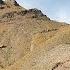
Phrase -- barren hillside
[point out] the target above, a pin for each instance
(29, 40)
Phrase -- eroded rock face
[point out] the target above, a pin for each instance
(12, 2)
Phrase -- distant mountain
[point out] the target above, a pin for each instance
(30, 40)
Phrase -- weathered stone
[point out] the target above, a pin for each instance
(12, 2)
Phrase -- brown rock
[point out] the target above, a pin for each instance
(12, 2)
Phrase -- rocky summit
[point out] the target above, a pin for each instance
(12, 2)
(30, 40)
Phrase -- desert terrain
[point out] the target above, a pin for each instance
(30, 40)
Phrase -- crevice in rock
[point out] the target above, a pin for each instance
(3, 46)
(45, 31)
(56, 65)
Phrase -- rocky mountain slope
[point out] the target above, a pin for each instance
(29, 40)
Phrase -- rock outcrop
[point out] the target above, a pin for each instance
(12, 2)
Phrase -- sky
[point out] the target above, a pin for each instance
(55, 9)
